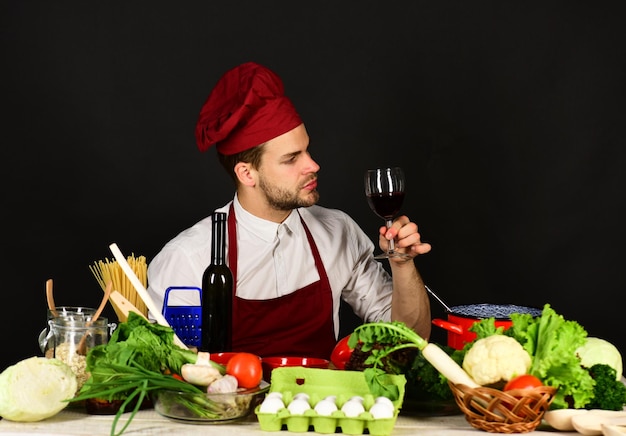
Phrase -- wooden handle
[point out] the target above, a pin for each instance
(143, 293)
(123, 307)
(50, 298)
(81, 348)
(107, 293)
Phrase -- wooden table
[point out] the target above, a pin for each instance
(148, 422)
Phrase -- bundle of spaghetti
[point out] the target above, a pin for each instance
(109, 270)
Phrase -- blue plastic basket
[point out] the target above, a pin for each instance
(186, 321)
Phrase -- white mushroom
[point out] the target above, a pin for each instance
(201, 373)
(204, 358)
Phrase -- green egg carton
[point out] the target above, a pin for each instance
(319, 384)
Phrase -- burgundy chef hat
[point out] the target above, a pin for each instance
(246, 108)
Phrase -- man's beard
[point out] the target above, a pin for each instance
(282, 199)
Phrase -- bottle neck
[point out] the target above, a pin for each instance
(218, 241)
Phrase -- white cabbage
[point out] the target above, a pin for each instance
(597, 350)
(35, 388)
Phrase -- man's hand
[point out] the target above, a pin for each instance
(407, 238)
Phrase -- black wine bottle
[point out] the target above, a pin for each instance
(217, 289)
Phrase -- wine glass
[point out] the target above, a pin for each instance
(384, 189)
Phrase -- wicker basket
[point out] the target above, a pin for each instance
(495, 411)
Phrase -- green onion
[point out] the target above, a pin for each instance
(131, 381)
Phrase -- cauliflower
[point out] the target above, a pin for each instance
(496, 358)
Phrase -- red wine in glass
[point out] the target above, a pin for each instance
(384, 190)
(386, 206)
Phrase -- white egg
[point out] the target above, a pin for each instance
(384, 400)
(274, 394)
(325, 407)
(271, 405)
(298, 406)
(382, 410)
(301, 396)
(353, 408)
(357, 398)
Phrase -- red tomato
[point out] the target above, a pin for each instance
(341, 353)
(246, 368)
(524, 381)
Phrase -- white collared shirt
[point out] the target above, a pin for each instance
(276, 259)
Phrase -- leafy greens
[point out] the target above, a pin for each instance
(136, 360)
(551, 341)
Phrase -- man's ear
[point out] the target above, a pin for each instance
(245, 174)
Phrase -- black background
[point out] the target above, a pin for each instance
(507, 117)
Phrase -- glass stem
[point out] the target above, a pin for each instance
(391, 247)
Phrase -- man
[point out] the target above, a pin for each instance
(292, 260)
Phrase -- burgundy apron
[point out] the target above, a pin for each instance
(298, 324)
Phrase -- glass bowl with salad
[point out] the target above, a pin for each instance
(208, 407)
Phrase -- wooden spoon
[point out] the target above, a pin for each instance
(81, 348)
(50, 298)
(143, 293)
(123, 307)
